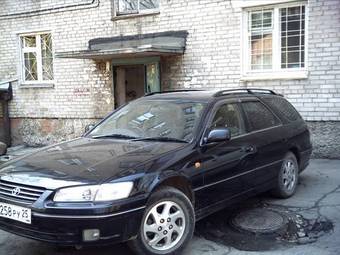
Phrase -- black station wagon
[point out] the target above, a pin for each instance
(152, 168)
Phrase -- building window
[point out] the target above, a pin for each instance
(261, 39)
(37, 58)
(274, 39)
(292, 37)
(125, 7)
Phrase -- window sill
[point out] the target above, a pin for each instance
(130, 16)
(288, 75)
(36, 85)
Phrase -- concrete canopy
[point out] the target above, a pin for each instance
(144, 45)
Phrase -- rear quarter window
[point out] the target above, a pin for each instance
(283, 107)
(259, 116)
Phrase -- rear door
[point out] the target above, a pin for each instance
(264, 130)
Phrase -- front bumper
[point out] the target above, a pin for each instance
(67, 230)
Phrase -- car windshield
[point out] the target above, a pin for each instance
(166, 120)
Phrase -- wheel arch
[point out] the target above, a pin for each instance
(179, 182)
(296, 152)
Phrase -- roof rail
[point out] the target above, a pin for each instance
(172, 91)
(247, 91)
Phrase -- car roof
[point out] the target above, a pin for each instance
(210, 95)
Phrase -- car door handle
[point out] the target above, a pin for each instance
(249, 149)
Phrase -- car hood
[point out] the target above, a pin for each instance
(84, 161)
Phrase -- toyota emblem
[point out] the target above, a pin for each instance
(16, 191)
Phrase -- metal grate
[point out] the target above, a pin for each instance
(19, 192)
(293, 37)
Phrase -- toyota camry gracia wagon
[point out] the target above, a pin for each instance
(148, 171)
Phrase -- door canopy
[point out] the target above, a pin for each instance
(142, 45)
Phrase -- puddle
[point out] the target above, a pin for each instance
(296, 230)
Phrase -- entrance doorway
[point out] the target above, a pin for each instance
(132, 81)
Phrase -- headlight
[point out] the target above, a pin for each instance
(114, 191)
(104, 192)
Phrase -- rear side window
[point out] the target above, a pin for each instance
(259, 117)
(282, 106)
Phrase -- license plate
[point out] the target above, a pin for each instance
(16, 213)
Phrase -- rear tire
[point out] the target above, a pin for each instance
(288, 177)
(167, 225)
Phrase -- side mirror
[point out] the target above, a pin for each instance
(89, 127)
(218, 135)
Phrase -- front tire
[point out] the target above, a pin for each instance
(167, 225)
(288, 177)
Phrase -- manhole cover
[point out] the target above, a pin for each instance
(259, 220)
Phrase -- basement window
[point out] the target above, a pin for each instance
(36, 58)
(131, 7)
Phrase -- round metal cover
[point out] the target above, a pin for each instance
(259, 220)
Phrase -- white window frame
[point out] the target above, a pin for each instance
(37, 50)
(253, 3)
(139, 12)
(276, 72)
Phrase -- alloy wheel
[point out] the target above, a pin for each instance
(289, 175)
(164, 226)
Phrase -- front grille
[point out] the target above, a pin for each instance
(20, 192)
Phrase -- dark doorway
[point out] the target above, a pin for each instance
(134, 81)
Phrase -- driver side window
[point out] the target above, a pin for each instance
(228, 116)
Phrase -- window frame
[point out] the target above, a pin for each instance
(122, 15)
(247, 74)
(37, 50)
(263, 31)
(213, 110)
(238, 110)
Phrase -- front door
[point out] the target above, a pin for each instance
(226, 163)
(132, 81)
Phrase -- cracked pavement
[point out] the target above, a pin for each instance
(317, 197)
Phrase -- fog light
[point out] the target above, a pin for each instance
(90, 235)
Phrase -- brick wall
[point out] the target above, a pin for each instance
(82, 90)
(10, 7)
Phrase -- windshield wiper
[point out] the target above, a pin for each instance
(119, 136)
(161, 138)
